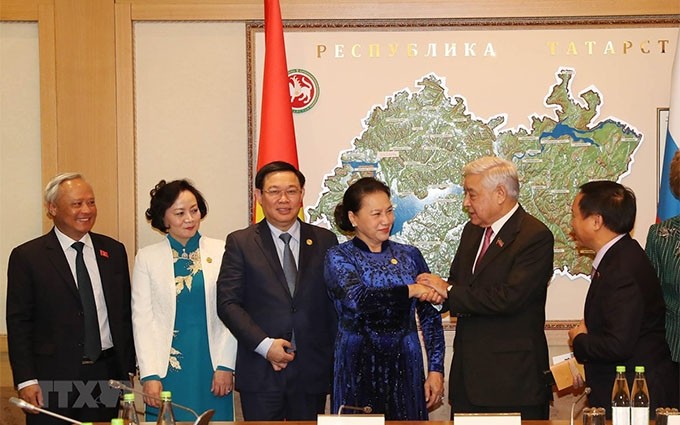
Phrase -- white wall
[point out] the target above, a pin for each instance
(20, 156)
(191, 118)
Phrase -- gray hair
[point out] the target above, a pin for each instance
(52, 187)
(495, 171)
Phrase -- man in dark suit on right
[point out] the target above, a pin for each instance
(624, 311)
(497, 287)
(272, 296)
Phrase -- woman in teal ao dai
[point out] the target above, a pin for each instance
(378, 355)
(181, 344)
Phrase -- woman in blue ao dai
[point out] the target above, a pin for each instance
(181, 344)
(378, 354)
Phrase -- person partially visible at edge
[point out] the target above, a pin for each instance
(182, 346)
(663, 250)
(371, 279)
(497, 287)
(69, 327)
(623, 318)
(271, 294)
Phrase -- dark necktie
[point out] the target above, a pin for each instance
(289, 267)
(93, 345)
(488, 235)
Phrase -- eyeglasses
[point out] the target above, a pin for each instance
(277, 193)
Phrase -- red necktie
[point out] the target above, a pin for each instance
(488, 235)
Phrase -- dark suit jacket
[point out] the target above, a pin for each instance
(500, 349)
(254, 302)
(624, 314)
(45, 328)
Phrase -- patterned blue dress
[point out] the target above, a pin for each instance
(190, 372)
(378, 355)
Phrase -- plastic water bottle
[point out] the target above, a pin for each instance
(620, 398)
(165, 415)
(128, 411)
(639, 398)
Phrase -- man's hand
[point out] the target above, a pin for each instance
(435, 282)
(278, 356)
(577, 379)
(152, 388)
(434, 388)
(424, 293)
(32, 394)
(575, 331)
(222, 383)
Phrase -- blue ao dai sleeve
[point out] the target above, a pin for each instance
(430, 324)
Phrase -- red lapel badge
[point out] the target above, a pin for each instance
(500, 243)
(103, 253)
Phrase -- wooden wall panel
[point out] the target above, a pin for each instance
(48, 97)
(125, 128)
(84, 34)
(19, 10)
(395, 9)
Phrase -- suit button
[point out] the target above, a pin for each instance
(293, 309)
(80, 314)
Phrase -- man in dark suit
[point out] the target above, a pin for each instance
(624, 311)
(497, 287)
(69, 324)
(271, 294)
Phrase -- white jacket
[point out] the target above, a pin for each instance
(154, 303)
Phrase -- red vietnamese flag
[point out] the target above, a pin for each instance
(277, 131)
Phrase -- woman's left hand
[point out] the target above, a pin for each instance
(434, 388)
(222, 383)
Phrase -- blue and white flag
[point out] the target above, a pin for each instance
(669, 205)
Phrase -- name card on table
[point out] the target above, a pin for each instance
(672, 419)
(487, 419)
(351, 419)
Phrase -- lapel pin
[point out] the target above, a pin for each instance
(103, 253)
(209, 260)
(309, 242)
(500, 243)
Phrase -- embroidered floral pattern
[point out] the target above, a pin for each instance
(182, 282)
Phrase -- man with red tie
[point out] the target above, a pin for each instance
(497, 287)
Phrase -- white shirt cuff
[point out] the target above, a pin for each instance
(25, 384)
(264, 346)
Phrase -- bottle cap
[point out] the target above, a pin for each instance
(639, 369)
(117, 421)
(166, 395)
(620, 368)
(128, 397)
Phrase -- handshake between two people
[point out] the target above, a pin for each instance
(429, 288)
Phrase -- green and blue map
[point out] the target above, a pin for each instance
(418, 142)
